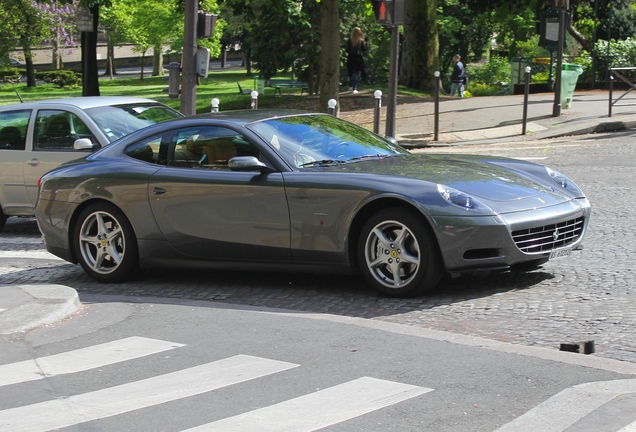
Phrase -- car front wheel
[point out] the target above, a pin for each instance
(105, 243)
(398, 255)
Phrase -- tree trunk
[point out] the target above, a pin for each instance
(330, 53)
(56, 57)
(157, 61)
(90, 78)
(586, 44)
(28, 60)
(420, 46)
(143, 62)
(110, 59)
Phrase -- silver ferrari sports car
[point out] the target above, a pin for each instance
(279, 190)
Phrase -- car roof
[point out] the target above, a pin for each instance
(82, 102)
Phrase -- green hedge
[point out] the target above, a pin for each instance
(61, 77)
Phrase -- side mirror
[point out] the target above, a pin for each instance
(85, 144)
(246, 163)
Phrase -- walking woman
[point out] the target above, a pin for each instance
(356, 47)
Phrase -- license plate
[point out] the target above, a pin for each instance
(560, 253)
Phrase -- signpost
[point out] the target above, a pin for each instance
(390, 13)
(561, 6)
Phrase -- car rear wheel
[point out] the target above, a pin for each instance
(105, 243)
(3, 219)
(398, 254)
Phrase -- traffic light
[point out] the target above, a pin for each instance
(205, 25)
(389, 12)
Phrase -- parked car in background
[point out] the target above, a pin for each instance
(36, 137)
(277, 190)
(15, 63)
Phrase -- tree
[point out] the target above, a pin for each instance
(329, 52)
(60, 18)
(420, 45)
(90, 78)
(20, 18)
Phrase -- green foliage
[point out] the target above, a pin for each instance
(490, 78)
(615, 54)
(10, 73)
(530, 48)
(62, 78)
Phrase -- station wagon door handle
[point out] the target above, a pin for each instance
(34, 162)
(158, 191)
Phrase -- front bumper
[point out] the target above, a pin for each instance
(487, 242)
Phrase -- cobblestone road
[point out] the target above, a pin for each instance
(590, 296)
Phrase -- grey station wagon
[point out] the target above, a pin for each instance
(36, 137)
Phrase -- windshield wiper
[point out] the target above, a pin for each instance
(323, 162)
(375, 156)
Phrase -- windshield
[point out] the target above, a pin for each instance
(306, 141)
(117, 121)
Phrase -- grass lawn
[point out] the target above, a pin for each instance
(219, 84)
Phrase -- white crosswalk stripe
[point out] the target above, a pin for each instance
(321, 409)
(629, 428)
(124, 398)
(305, 413)
(82, 359)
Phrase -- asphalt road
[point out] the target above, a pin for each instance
(343, 338)
(175, 365)
(588, 296)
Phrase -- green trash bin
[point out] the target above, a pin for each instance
(569, 75)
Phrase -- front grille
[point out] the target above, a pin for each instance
(548, 237)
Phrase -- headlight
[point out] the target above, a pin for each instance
(461, 199)
(563, 181)
(559, 178)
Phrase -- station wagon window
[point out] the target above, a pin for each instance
(209, 147)
(13, 127)
(58, 130)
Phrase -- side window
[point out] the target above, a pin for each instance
(152, 150)
(58, 130)
(13, 127)
(209, 147)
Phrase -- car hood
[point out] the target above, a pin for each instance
(492, 180)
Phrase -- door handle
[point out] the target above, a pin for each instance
(158, 191)
(34, 162)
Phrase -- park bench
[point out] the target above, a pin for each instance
(242, 90)
(279, 84)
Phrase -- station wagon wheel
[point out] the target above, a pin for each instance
(398, 255)
(3, 219)
(105, 243)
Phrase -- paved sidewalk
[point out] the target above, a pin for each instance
(484, 119)
(25, 307)
(461, 122)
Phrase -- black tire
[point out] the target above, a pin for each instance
(398, 255)
(105, 243)
(3, 219)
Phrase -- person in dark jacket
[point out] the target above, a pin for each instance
(356, 47)
(457, 77)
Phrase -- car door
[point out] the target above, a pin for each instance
(14, 125)
(206, 210)
(52, 136)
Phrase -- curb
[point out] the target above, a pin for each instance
(48, 304)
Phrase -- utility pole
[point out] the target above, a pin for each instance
(188, 65)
